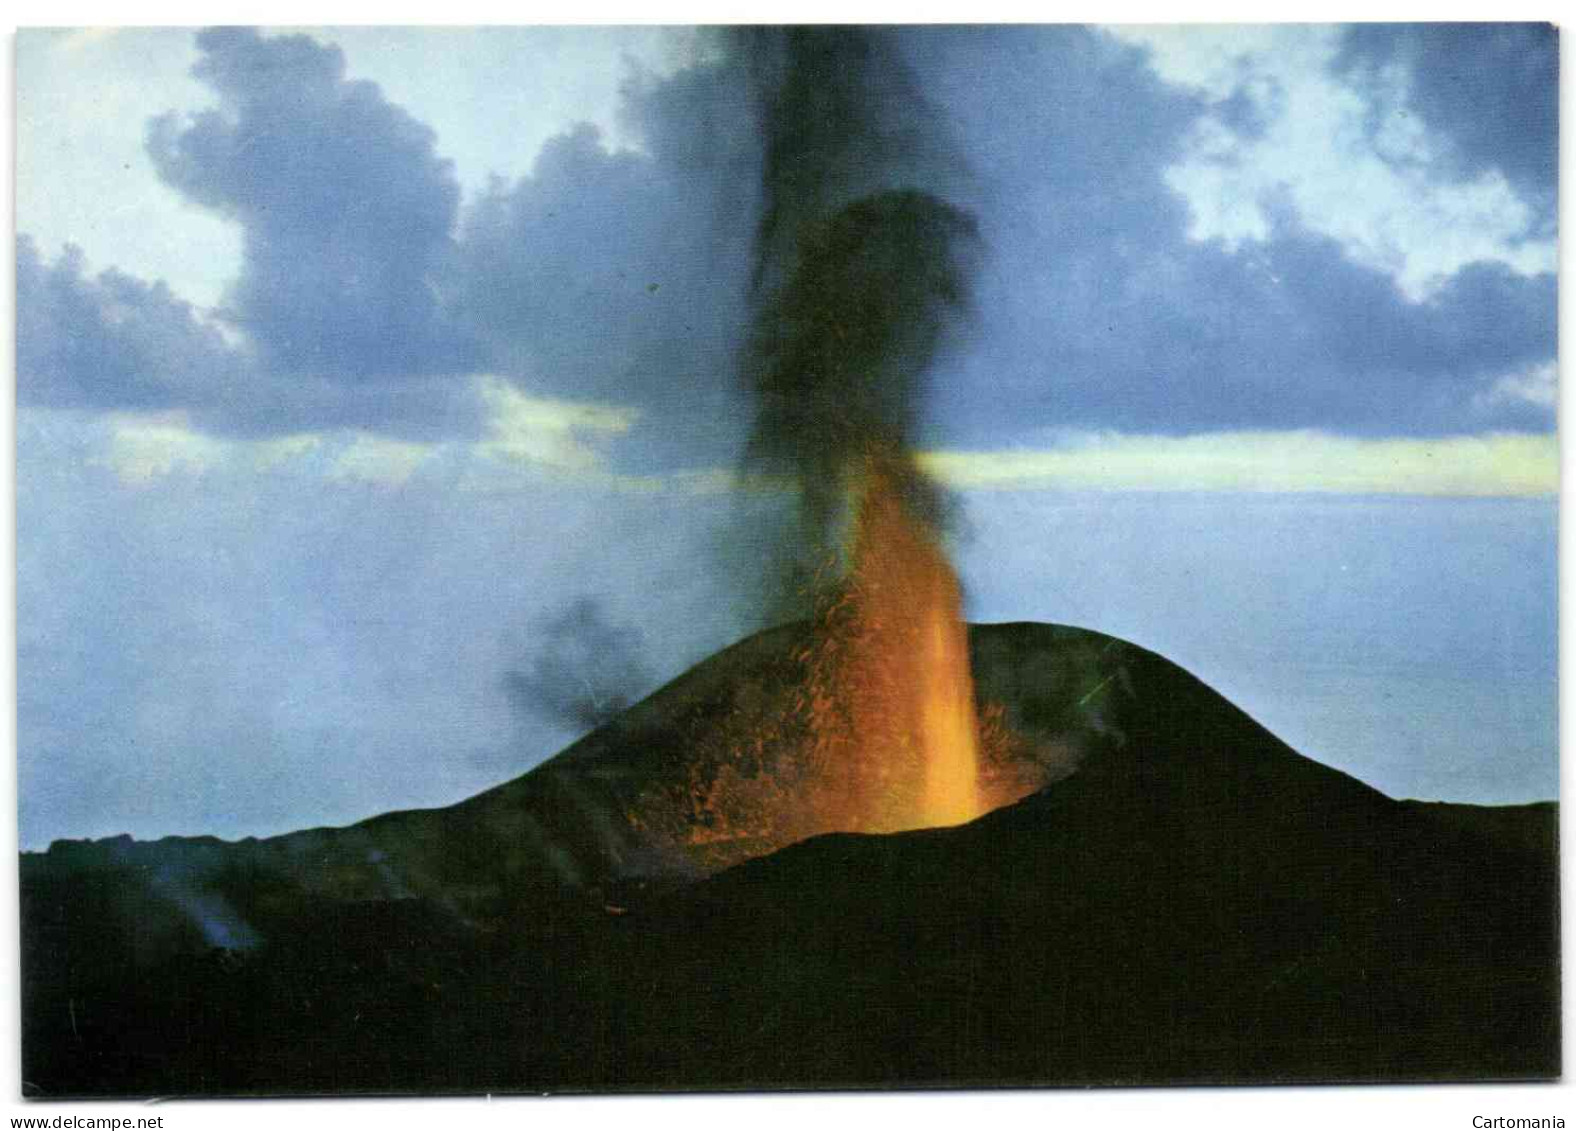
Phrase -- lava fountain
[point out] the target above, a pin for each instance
(863, 267)
(898, 709)
(871, 725)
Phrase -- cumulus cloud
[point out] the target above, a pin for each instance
(1537, 385)
(622, 276)
(615, 275)
(1099, 311)
(112, 341)
(1349, 156)
(370, 300)
(1489, 93)
(347, 209)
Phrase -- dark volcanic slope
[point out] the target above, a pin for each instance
(1196, 903)
(1201, 905)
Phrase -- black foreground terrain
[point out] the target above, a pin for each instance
(1195, 903)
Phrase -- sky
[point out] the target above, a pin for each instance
(377, 416)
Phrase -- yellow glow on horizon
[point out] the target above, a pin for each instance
(533, 438)
(1497, 464)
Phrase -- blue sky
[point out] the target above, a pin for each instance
(357, 366)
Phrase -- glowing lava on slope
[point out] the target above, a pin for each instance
(895, 716)
(875, 730)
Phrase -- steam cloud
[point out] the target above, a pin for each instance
(586, 670)
(859, 266)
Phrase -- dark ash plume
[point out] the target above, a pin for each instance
(861, 265)
(587, 669)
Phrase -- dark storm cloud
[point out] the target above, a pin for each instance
(624, 276)
(112, 341)
(346, 209)
(627, 276)
(1290, 335)
(613, 276)
(1492, 90)
(1097, 311)
(346, 214)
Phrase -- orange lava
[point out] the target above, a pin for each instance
(896, 718)
(873, 726)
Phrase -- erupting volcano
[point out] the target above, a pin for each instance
(1188, 899)
(883, 732)
(876, 725)
(890, 718)
(860, 271)
(870, 846)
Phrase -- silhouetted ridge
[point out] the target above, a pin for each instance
(1193, 902)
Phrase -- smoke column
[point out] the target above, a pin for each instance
(860, 266)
